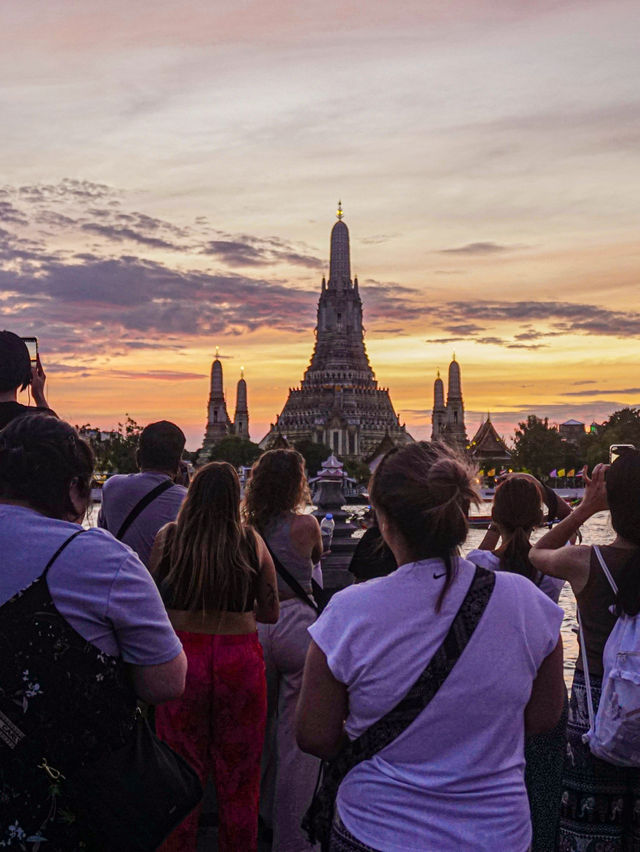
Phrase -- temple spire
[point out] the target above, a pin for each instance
(340, 261)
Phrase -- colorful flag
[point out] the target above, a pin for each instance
(491, 472)
(571, 472)
(553, 474)
(579, 474)
(561, 472)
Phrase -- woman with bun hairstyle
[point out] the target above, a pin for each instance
(516, 513)
(453, 778)
(600, 802)
(217, 580)
(275, 501)
(83, 634)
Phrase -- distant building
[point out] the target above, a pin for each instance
(487, 446)
(219, 424)
(339, 402)
(448, 420)
(572, 431)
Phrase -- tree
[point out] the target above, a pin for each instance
(313, 454)
(359, 470)
(238, 451)
(116, 452)
(622, 427)
(538, 447)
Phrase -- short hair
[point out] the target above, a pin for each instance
(161, 445)
(15, 363)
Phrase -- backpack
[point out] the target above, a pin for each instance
(614, 732)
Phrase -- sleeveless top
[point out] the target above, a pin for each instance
(277, 534)
(594, 602)
(64, 704)
(166, 592)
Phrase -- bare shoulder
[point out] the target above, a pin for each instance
(304, 523)
(568, 563)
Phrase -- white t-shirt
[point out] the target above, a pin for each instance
(454, 779)
(551, 586)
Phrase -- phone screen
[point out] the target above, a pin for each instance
(32, 346)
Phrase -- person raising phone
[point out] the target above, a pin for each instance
(17, 372)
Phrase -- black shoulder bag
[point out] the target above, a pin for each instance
(142, 504)
(136, 795)
(319, 817)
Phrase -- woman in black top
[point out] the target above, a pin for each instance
(217, 578)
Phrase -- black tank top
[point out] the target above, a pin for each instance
(64, 704)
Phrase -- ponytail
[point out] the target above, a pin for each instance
(515, 556)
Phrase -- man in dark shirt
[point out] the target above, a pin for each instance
(16, 374)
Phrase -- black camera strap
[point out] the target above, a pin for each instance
(142, 504)
(291, 581)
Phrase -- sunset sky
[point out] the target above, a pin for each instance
(170, 173)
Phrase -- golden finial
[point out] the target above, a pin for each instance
(217, 351)
(339, 214)
(242, 372)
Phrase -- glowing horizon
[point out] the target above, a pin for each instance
(172, 175)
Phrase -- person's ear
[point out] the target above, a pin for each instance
(77, 500)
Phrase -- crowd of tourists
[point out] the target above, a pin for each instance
(178, 642)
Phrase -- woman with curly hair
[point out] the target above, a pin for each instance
(274, 503)
(217, 579)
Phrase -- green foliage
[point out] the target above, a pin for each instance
(623, 427)
(313, 454)
(236, 450)
(359, 470)
(117, 452)
(538, 447)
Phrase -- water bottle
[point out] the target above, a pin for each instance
(327, 526)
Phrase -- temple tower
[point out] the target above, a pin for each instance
(455, 431)
(241, 417)
(439, 414)
(218, 423)
(339, 402)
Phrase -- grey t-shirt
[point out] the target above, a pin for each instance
(120, 494)
(98, 584)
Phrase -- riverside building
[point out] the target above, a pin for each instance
(339, 402)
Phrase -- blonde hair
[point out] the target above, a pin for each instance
(211, 560)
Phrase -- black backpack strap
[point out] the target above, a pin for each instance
(317, 820)
(60, 549)
(142, 504)
(291, 581)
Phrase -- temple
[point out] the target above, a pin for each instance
(339, 402)
(487, 447)
(448, 420)
(219, 424)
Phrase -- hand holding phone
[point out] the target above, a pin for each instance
(38, 379)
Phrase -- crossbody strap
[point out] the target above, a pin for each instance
(605, 569)
(397, 720)
(60, 549)
(291, 581)
(142, 504)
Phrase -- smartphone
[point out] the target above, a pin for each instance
(617, 450)
(32, 346)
